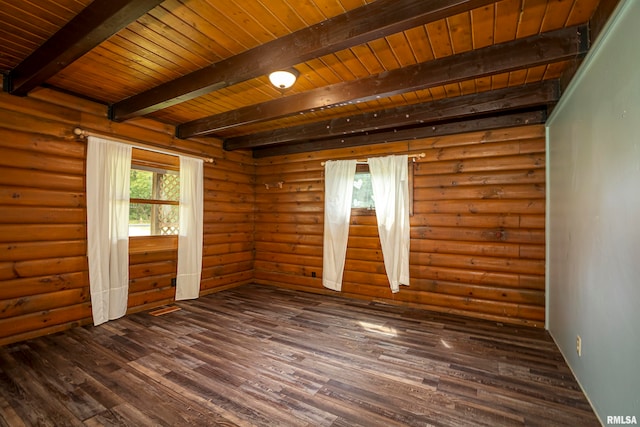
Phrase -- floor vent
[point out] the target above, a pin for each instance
(164, 310)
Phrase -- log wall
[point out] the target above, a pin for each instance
(477, 233)
(44, 283)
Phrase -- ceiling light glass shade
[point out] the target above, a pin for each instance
(283, 79)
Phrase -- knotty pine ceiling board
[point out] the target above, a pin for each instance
(482, 26)
(150, 51)
(435, 40)
(364, 60)
(181, 36)
(24, 26)
(460, 33)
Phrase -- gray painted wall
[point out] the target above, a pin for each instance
(593, 219)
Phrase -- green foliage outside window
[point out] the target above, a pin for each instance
(140, 188)
(160, 215)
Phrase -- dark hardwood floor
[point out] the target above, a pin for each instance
(265, 356)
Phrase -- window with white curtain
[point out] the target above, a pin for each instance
(362, 202)
(154, 207)
(110, 168)
(173, 199)
(383, 187)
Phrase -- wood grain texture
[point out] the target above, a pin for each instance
(477, 233)
(44, 284)
(263, 356)
(178, 38)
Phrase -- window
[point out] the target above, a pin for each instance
(362, 199)
(155, 195)
(362, 202)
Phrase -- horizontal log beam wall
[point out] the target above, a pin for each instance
(477, 233)
(44, 284)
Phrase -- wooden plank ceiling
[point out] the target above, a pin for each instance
(370, 71)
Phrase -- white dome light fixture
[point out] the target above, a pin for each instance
(284, 79)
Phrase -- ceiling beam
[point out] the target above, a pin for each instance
(600, 17)
(452, 128)
(370, 22)
(527, 52)
(596, 24)
(494, 101)
(93, 25)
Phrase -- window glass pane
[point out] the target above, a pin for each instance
(139, 219)
(362, 191)
(165, 220)
(153, 220)
(141, 183)
(155, 185)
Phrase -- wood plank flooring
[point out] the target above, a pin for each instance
(263, 356)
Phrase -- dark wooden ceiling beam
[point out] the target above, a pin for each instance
(528, 52)
(370, 22)
(93, 25)
(596, 24)
(600, 17)
(452, 128)
(495, 101)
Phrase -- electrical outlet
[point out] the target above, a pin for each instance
(579, 345)
(313, 274)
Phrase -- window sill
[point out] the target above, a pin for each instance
(363, 212)
(141, 244)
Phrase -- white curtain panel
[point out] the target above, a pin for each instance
(338, 189)
(389, 180)
(190, 237)
(108, 169)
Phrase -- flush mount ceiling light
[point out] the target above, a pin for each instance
(284, 79)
